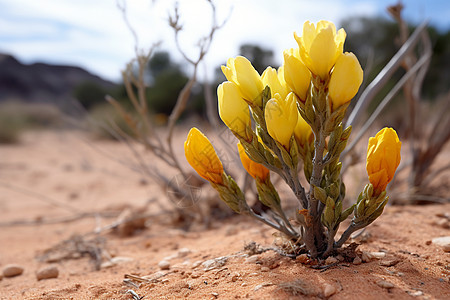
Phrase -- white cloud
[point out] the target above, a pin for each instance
(93, 34)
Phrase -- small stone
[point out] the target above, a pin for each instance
(415, 293)
(12, 270)
(400, 274)
(235, 278)
(368, 256)
(215, 294)
(252, 259)
(121, 259)
(385, 284)
(389, 262)
(331, 260)
(329, 290)
(378, 255)
(196, 264)
(303, 258)
(211, 264)
(244, 284)
(340, 258)
(357, 260)
(195, 275)
(428, 243)
(164, 265)
(183, 252)
(47, 273)
(106, 264)
(265, 269)
(441, 241)
(1, 277)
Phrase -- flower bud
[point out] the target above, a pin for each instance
(240, 71)
(275, 80)
(233, 110)
(253, 168)
(296, 74)
(320, 46)
(345, 80)
(383, 158)
(281, 118)
(201, 155)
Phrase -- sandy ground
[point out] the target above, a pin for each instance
(53, 176)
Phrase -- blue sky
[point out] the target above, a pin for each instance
(92, 34)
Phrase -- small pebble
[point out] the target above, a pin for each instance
(12, 270)
(1, 277)
(196, 264)
(215, 294)
(107, 264)
(265, 269)
(195, 275)
(357, 260)
(329, 290)
(164, 265)
(121, 259)
(446, 248)
(47, 273)
(443, 240)
(331, 260)
(389, 262)
(416, 293)
(183, 252)
(302, 258)
(385, 284)
(252, 259)
(211, 264)
(368, 256)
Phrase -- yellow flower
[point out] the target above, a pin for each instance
(346, 78)
(296, 74)
(253, 168)
(383, 158)
(320, 46)
(240, 71)
(281, 118)
(233, 110)
(201, 155)
(302, 131)
(275, 80)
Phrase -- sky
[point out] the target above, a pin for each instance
(92, 33)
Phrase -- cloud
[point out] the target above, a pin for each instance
(93, 33)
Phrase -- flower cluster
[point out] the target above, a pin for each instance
(293, 115)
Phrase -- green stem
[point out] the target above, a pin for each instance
(347, 233)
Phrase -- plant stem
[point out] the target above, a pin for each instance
(347, 233)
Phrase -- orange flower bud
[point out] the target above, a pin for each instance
(255, 169)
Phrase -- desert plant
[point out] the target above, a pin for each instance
(297, 117)
(185, 185)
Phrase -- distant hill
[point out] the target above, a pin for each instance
(40, 82)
